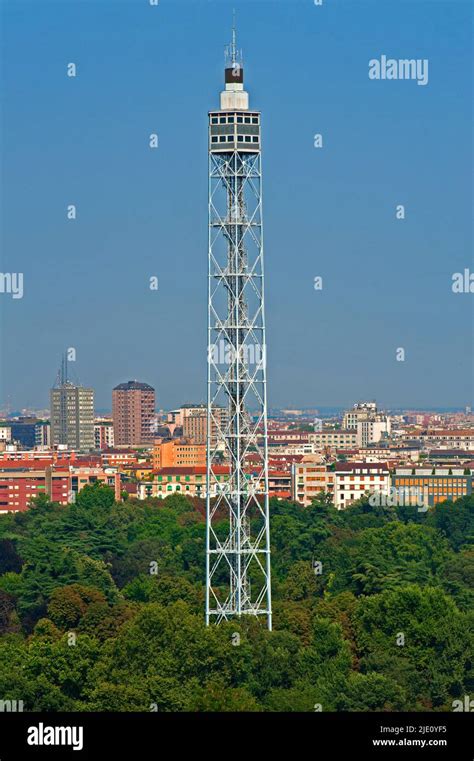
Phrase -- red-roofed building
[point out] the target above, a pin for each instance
(450, 438)
(279, 483)
(189, 481)
(309, 480)
(119, 458)
(353, 479)
(287, 436)
(19, 485)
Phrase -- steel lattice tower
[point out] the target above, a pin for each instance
(238, 535)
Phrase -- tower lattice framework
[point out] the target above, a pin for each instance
(238, 531)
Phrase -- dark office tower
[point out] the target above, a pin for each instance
(72, 417)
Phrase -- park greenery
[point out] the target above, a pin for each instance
(101, 609)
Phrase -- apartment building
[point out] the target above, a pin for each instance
(5, 433)
(194, 423)
(287, 437)
(133, 414)
(337, 439)
(370, 425)
(178, 453)
(279, 484)
(103, 433)
(43, 434)
(372, 431)
(309, 480)
(19, 485)
(450, 438)
(119, 458)
(190, 481)
(353, 479)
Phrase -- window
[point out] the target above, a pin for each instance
(247, 120)
(222, 139)
(240, 120)
(214, 120)
(230, 120)
(247, 138)
(222, 120)
(240, 138)
(254, 119)
(213, 139)
(254, 139)
(230, 138)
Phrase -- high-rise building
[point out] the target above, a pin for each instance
(133, 413)
(360, 411)
(372, 431)
(194, 422)
(237, 563)
(72, 417)
(371, 425)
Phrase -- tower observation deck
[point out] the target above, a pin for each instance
(238, 535)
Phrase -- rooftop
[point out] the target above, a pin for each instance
(133, 385)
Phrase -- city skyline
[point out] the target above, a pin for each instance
(387, 282)
(236, 369)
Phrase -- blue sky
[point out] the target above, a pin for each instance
(328, 212)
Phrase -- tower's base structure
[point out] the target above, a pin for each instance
(238, 531)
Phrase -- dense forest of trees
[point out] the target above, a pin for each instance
(101, 609)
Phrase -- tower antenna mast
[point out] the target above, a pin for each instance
(234, 47)
(237, 558)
